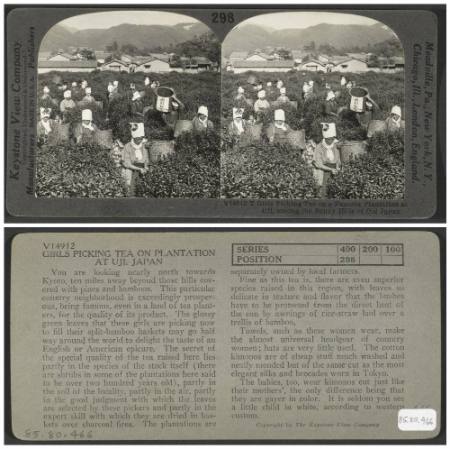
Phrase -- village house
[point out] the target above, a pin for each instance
(313, 65)
(82, 65)
(153, 66)
(115, 65)
(259, 57)
(127, 59)
(262, 66)
(351, 65)
(60, 56)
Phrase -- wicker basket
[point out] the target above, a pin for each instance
(376, 126)
(254, 132)
(353, 148)
(297, 139)
(160, 149)
(182, 126)
(104, 138)
(59, 135)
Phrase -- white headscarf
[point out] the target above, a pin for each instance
(279, 116)
(45, 123)
(237, 119)
(86, 114)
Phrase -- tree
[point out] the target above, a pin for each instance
(87, 53)
(205, 45)
(113, 48)
(129, 49)
(284, 54)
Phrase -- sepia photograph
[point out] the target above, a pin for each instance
(313, 108)
(128, 106)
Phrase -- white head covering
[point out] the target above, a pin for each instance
(138, 130)
(136, 95)
(328, 130)
(397, 110)
(86, 114)
(262, 94)
(146, 81)
(74, 84)
(280, 115)
(45, 112)
(88, 90)
(241, 90)
(203, 110)
(330, 95)
(238, 124)
(46, 90)
(283, 90)
(67, 94)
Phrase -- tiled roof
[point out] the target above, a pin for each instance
(76, 64)
(264, 64)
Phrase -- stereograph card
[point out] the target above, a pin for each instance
(291, 112)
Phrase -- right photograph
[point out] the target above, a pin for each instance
(312, 108)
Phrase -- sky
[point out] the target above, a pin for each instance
(112, 18)
(285, 20)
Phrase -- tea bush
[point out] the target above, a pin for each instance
(267, 171)
(193, 171)
(379, 174)
(77, 171)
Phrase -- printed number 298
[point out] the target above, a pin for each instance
(222, 17)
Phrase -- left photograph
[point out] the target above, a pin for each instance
(128, 106)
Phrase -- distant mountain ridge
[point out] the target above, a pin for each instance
(251, 37)
(142, 36)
